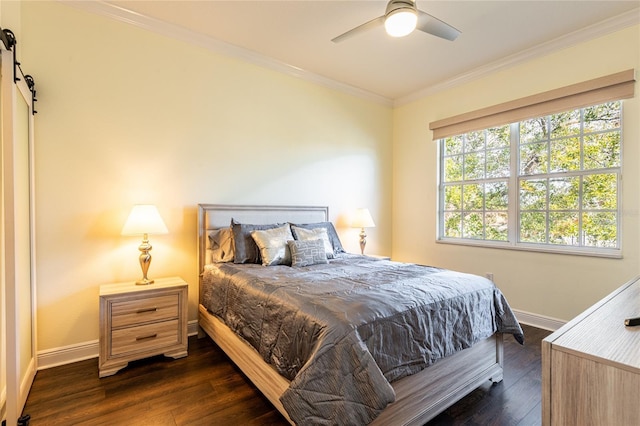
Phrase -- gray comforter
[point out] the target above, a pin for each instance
(341, 332)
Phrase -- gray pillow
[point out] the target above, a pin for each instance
(221, 245)
(245, 248)
(306, 253)
(273, 245)
(304, 234)
(331, 232)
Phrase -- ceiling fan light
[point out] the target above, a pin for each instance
(401, 22)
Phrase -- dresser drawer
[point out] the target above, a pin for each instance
(138, 311)
(144, 337)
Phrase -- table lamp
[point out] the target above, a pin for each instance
(144, 219)
(362, 219)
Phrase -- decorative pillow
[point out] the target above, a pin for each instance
(221, 245)
(307, 252)
(331, 232)
(245, 249)
(304, 234)
(273, 245)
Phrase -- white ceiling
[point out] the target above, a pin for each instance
(296, 34)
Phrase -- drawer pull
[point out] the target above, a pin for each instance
(142, 311)
(150, 336)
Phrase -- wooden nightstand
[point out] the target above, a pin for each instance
(138, 321)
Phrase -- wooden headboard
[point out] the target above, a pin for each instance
(216, 216)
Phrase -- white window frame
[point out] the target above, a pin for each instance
(513, 208)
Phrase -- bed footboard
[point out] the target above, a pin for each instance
(422, 396)
(419, 397)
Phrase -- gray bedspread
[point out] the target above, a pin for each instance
(341, 332)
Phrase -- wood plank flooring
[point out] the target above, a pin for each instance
(205, 388)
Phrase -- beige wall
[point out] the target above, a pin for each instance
(548, 285)
(128, 116)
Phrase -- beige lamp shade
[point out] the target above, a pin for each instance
(362, 219)
(144, 219)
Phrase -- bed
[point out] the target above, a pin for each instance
(314, 368)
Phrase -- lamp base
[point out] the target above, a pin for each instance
(145, 260)
(363, 240)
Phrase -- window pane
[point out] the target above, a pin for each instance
(533, 227)
(496, 226)
(474, 166)
(453, 145)
(563, 229)
(453, 168)
(602, 150)
(498, 137)
(599, 229)
(452, 225)
(496, 196)
(473, 227)
(453, 197)
(565, 124)
(603, 117)
(474, 141)
(565, 155)
(564, 193)
(533, 194)
(473, 197)
(498, 163)
(533, 130)
(600, 191)
(567, 175)
(533, 158)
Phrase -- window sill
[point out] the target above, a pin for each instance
(609, 254)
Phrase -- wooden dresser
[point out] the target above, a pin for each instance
(591, 365)
(138, 321)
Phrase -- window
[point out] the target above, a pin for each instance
(550, 182)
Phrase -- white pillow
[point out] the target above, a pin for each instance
(273, 245)
(304, 234)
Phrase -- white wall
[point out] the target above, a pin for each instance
(128, 116)
(548, 285)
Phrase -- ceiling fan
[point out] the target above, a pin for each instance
(401, 18)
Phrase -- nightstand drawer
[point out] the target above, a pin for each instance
(139, 311)
(144, 337)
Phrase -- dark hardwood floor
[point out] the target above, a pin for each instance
(205, 388)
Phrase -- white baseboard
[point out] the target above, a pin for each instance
(73, 353)
(68, 354)
(539, 321)
(192, 328)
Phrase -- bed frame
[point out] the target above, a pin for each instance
(419, 397)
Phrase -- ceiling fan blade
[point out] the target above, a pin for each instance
(360, 28)
(432, 25)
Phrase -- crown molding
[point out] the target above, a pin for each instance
(594, 31)
(605, 27)
(176, 32)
